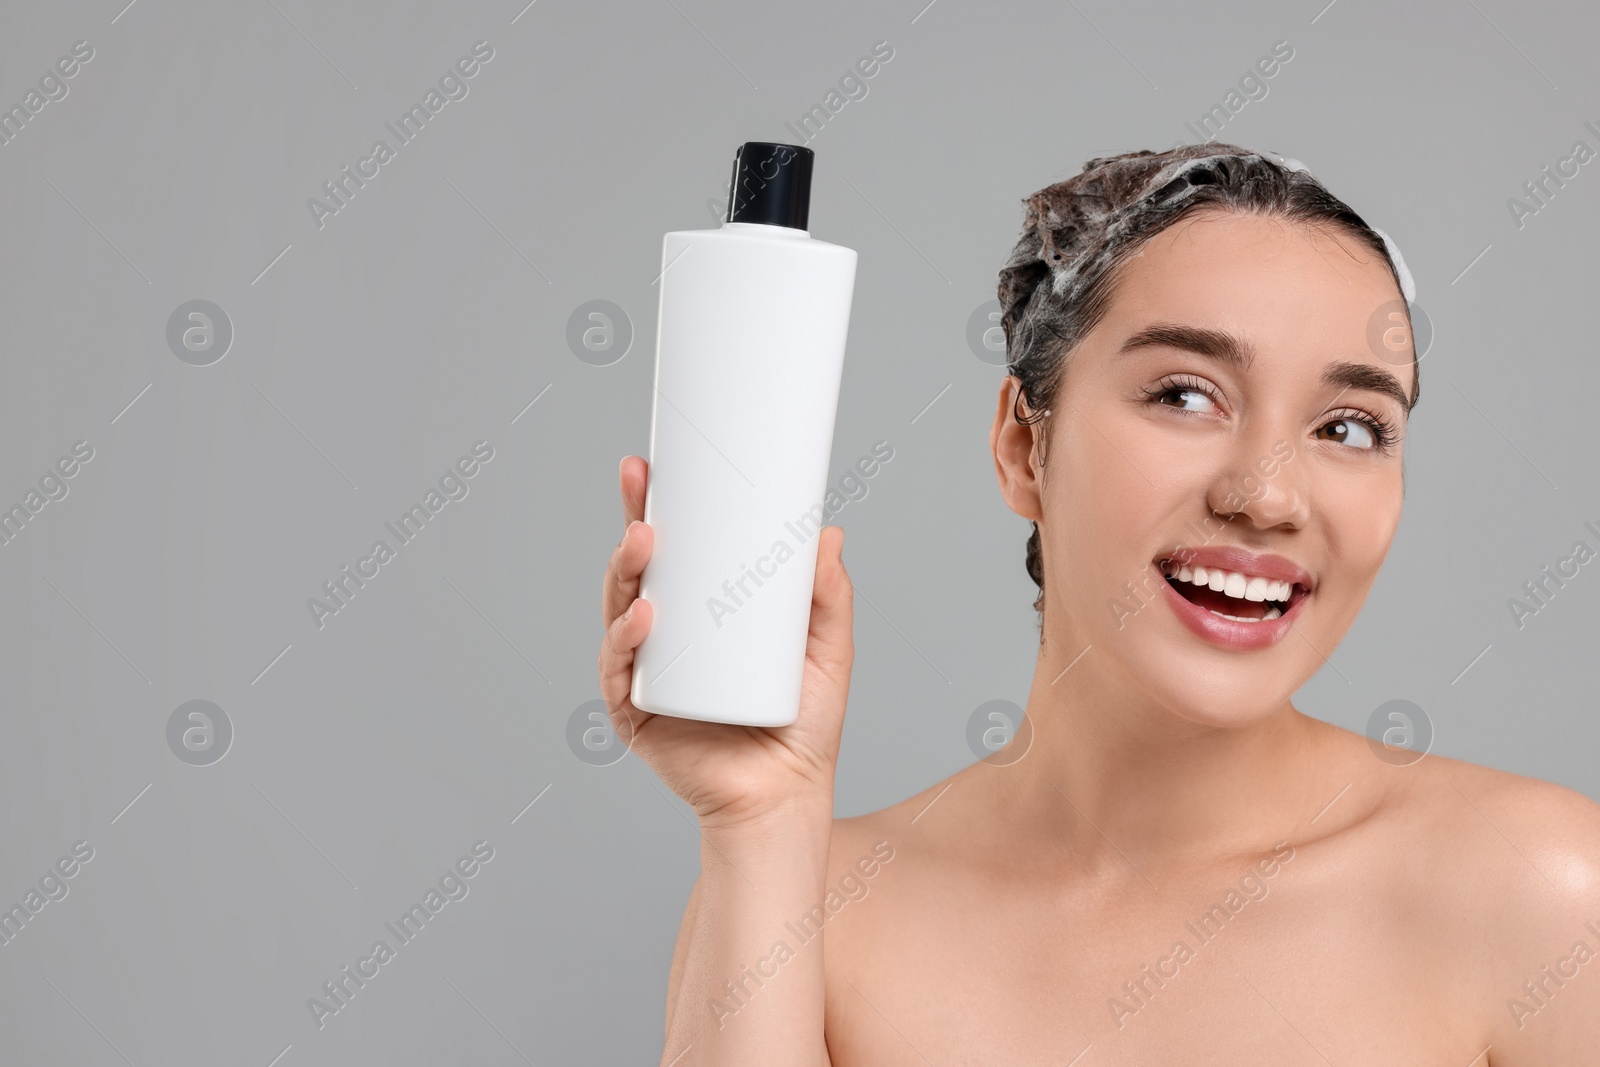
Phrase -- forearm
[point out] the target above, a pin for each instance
(751, 989)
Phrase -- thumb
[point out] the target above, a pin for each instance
(832, 602)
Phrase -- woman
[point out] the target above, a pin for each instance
(1170, 863)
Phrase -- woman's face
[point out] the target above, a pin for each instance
(1163, 447)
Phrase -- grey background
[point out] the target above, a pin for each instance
(427, 314)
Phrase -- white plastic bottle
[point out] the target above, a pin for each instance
(749, 354)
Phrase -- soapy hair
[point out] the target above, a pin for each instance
(1058, 283)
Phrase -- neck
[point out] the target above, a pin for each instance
(1108, 764)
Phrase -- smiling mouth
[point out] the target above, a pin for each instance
(1231, 594)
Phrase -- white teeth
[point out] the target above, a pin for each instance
(1235, 584)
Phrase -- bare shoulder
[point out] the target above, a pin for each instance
(884, 833)
(1478, 839)
(1509, 869)
(902, 825)
(890, 855)
(1463, 861)
(1542, 836)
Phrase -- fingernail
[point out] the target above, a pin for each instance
(626, 615)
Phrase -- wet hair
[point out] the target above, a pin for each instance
(1058, 283)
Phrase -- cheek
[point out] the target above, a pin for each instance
(1360, 515)
(1099, 511)
(1354, 515)
(1128, 478)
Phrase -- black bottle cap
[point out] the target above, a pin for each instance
(771, 184)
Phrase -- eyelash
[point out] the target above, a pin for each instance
(1383, 432)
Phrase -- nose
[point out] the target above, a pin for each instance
(1263, 483)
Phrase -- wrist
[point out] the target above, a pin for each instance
(796, 819)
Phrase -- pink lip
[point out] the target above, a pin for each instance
(1237, 636)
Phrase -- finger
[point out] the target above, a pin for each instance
(617, 652)
(633, 473)
(621, 583)
(832, 596)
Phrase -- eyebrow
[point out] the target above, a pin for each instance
(1234, 352)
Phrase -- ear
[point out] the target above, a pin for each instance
(1015, 463)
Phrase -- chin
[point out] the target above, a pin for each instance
(1225, 710)
(1198, 682)
(1199, 690)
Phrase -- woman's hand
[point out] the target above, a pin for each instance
(729, 774)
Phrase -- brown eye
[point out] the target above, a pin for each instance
(1195, 396)
(1353, 433)
(1190, 394)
